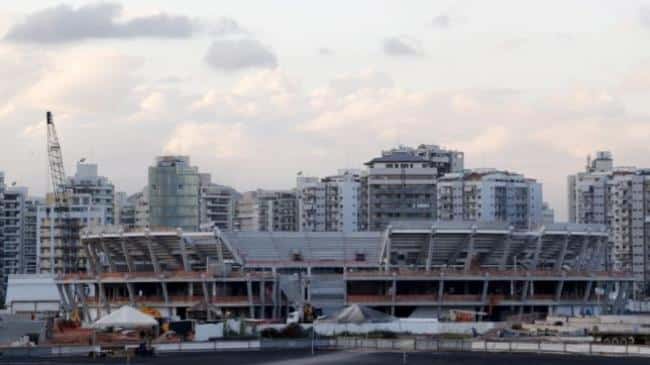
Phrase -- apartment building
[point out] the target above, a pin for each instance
(400, 185)
(267, 211)
(330, 204)
(489, 195)
(618, 197)
(91, 204)
(216, 204)
(173, 190)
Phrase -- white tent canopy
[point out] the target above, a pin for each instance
(126, 317)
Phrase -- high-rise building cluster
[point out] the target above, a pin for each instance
(425, 183)
(618, 197)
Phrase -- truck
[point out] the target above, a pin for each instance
(608, 329)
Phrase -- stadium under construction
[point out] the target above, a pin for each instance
(410, 269)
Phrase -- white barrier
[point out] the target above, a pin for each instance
(207, 346)
(406, 326)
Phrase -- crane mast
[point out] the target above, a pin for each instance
(62, 225)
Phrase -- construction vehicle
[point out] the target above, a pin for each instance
(63, 227)
(608, 329)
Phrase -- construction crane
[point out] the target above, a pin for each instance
(61, 192)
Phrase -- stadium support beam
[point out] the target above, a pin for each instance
(486, 282)
(441, 291)
(64, 298)
(183, 247)
(558, 290)
(507, 247)
(249, 293)
(206, 300)
(393, 294)
(263, 297)
(163, 286)
(559, 261)
(538, 249)
(127, 258)
(84, 301)
(131, 291)
(583, 253)
(590, 284)
(470, 250)
(431, 247)
(594, 263)
(107, 254)
(152, 254)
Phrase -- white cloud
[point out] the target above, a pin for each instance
(236, 54)
(214, 139)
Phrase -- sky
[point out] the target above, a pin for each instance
(255, 91)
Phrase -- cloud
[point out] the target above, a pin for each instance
(644, 16)
(237, 54)
(217, 139)
(325, 51)
(401, 46)
(66, 24)
(441, 21)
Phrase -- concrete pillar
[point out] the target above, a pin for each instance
(507, 245)
(470, 250)
(559, 262)
(430, 249)
(131, 291)
(127, 258)
(107, 254)
(263, 298)
(393, 298)
(441, 291)
(538, 249)
(249, 292)
(558, 290)
(181, 244)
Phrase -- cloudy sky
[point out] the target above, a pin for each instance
(255, 91)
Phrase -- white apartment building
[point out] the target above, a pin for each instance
(618, 197)
(216, 204)
(17, 233)
(267, 211)
(489, 195)
(400, 185)
(91, 204)
(330, 204)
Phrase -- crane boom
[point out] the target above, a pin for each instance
(55, 159)
(64, 230)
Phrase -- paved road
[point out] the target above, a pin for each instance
(344, 358)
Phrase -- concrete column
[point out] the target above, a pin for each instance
(441, 291)
(109, 258)
(559, 262)
(583, 252)
(127, 258)
(152, 254)
(263, 297)
(524, 295)
(181, 244)
(163, 286)
(64, 298)
(84, 302)
(590, 284)
(131, 291)
(206, 300)
(470, 250)
(558, 290)
(249, 292)
(393, 298)
(430, 249)
(507, 245)
(538, 249)
(274, 297)
(485, 290)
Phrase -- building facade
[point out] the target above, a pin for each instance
(267, 211)
(91, 204)
(330, 204)
(400, 185)
(173, 190)
(217, 204)
(488, 195)
(618, 197)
